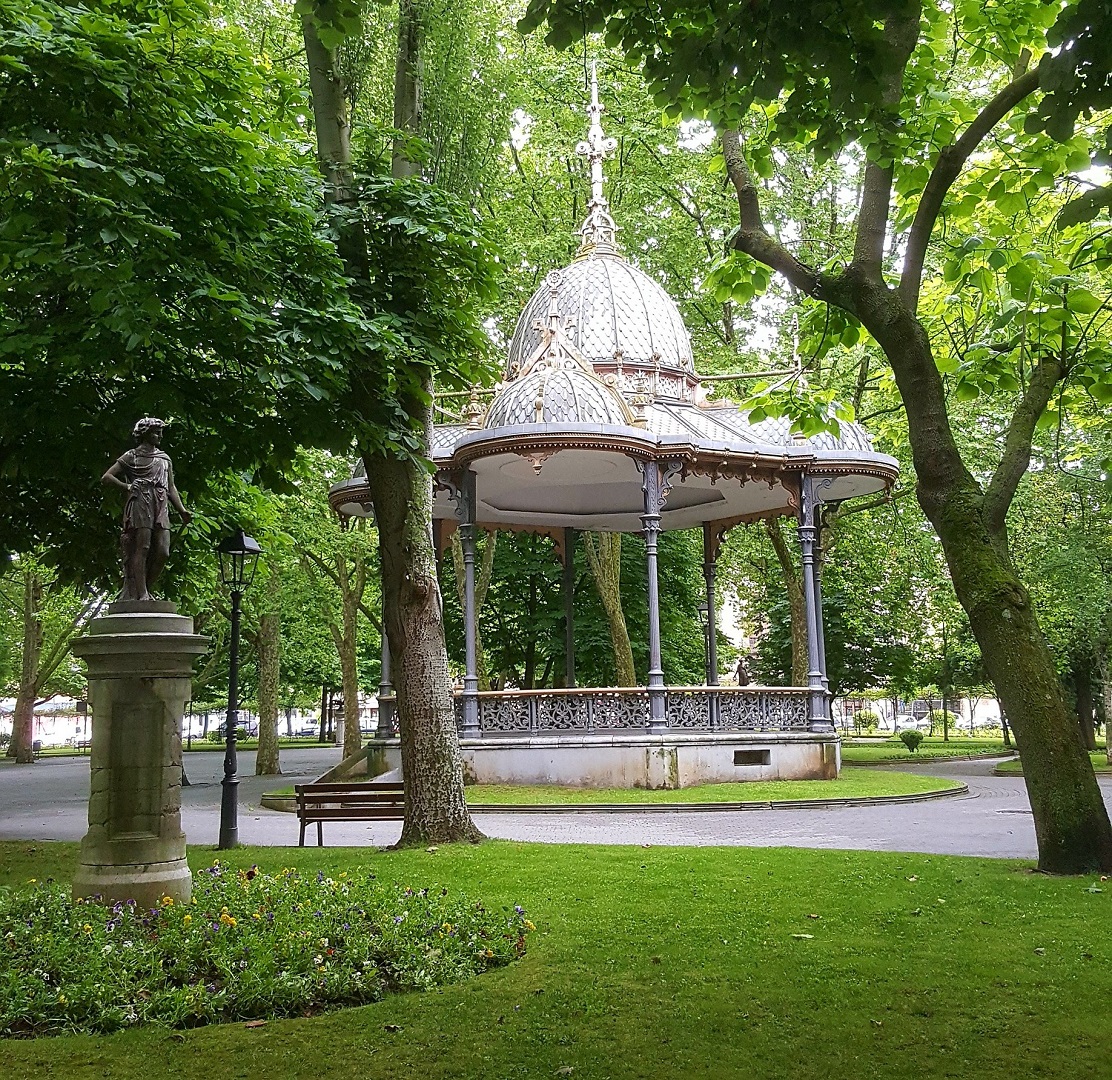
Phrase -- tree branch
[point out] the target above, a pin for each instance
(901, 34)
(311, 558)
(872, 218)
(751, 236)
(946, 170)
(875, 504)
(1017, 443)
(52, 660)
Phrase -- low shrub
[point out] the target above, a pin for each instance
(866, 720)
(911, 739)
(250, 945)
(942, 718)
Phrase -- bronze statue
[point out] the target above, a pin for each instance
(147, 476)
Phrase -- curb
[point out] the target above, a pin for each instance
(714, 807)
(938, 760)
(1098, 772)
(287, 804)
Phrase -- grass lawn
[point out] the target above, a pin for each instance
(1015, 768)
(693, 962)
(852, 784)
(894, 750)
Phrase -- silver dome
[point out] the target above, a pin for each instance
(615, 315)
(557, 392)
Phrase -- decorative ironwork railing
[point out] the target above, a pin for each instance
(737, 708)
(595, 709)
(556, 712)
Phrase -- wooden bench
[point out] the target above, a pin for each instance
(347, 802)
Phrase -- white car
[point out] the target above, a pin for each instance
(905, 721)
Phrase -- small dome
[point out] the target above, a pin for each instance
(557, 392)
(611, 312)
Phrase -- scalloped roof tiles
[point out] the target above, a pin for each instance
(607, 306)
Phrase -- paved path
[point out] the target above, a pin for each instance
(47, 801)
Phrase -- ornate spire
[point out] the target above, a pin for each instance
(598, 230)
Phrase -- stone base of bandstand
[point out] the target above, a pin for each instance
(642, 760)
(140, 658)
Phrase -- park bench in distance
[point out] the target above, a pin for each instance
(347, 802)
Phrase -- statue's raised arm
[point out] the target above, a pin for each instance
(147, 475)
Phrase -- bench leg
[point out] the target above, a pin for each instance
(320, 835)
(301, 839)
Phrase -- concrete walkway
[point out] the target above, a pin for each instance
(47, 801)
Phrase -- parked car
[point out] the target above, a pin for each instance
(245, 729)
(907, 722)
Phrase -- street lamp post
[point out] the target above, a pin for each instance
(239, 555)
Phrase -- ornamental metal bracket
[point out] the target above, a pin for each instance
(821, 484)
(460, 486)
(668, 471)
(714, 533)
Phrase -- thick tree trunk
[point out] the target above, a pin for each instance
(266, 759)
(1071, 821)
(268, 650)
(797, 606)
(604, 556)
(23, 722)
(435, 807)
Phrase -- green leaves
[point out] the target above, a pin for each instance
(737, 277)
(160, 248)
(811, 411)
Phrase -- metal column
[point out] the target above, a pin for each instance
(816, 570)
(808, 535)
(650, 524)
(710, 561)
(385, 689)
(569, 608)
(470, 661)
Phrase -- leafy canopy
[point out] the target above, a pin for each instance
(160, 254)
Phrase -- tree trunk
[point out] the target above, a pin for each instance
(23, 722)
(1071, 821)
(435, 807)
(268, 650)
(351, 594)
(604, 555)
(793, 585)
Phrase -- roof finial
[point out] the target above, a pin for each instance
(553, 280)
(599, 228)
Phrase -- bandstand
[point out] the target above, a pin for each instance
(601, 423)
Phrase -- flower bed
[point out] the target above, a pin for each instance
(250, 945)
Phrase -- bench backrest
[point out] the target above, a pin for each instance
(392, 794)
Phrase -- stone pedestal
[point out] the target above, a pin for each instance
(140, 658)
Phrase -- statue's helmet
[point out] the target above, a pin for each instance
(148, 423)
